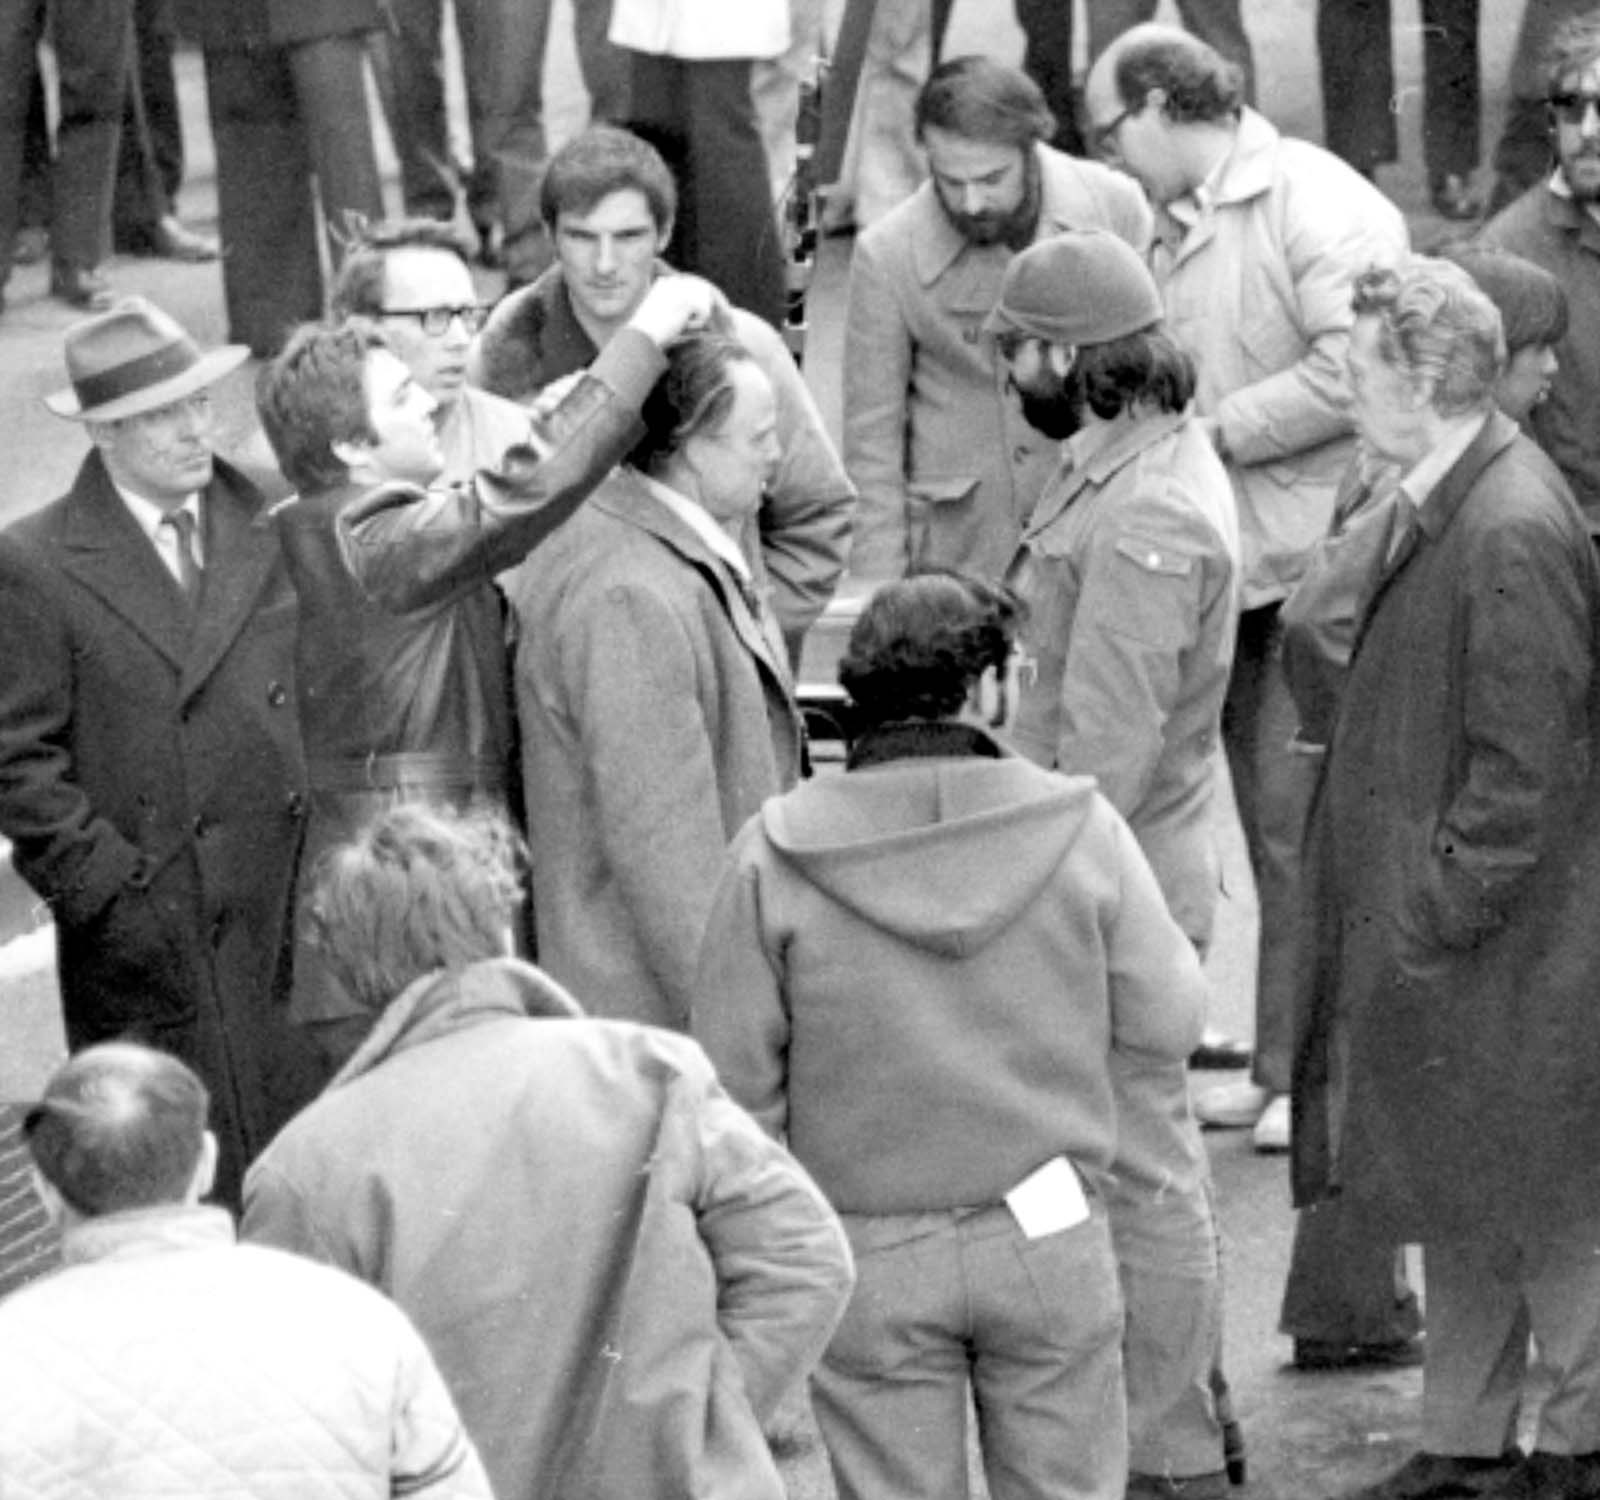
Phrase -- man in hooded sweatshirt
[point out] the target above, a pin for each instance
(920, 973)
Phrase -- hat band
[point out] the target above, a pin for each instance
(134, 375)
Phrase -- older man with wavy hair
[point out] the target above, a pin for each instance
(1449, 1040)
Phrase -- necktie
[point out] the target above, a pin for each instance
(182, 523)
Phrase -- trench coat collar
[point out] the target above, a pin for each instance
(1433, 520)
(1122, 449)
(631, 502)
(937, 243)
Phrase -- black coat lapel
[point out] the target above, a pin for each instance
(241, 549)
(104, 550)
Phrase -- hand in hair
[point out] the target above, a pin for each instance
(676, 304)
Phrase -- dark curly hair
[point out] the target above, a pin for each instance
(1148, 367)
(922, 642)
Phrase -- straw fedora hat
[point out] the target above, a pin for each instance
(133, 358)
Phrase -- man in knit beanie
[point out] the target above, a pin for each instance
(1130, 569)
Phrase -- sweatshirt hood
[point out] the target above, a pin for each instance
(944, 854)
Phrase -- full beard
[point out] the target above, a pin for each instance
(1053, 406)
(1015, 229)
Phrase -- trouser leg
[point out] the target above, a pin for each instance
(20, 25)
(1047, 59)
(890, 1394)
(92, 42)
(271, 268)
(330, 89)
(1477, 1353)
(1355, 54)
(604, 67)
(1562, 1286)
(701, 118)
(1346, 1284)
(1047, 1368)
(415, 105)
(1272, 788)
(1451, 105)
(883, 164)
(505, 52)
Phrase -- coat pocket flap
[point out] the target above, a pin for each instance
(1153, 557)
(941, 491)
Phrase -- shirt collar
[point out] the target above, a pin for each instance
(148, 515)
(1422, 479)
(700, 521)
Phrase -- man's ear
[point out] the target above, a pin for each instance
(663, 235)
(351, 454)
(1157, 97)
(205, 1170)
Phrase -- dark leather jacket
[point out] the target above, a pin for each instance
(401, 645)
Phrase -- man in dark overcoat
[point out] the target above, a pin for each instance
(151, 776)
(1448, 1042)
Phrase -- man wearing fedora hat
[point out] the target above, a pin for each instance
(1130, 567)
(151, 777)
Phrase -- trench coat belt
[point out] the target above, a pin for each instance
(419, 769)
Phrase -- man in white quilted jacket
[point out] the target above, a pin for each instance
(164, 1358)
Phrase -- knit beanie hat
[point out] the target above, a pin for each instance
(1083, 286)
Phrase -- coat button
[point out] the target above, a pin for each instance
(201, 825)
(277, 694)
(296, 803)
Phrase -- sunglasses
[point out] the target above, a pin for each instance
(1573, 108)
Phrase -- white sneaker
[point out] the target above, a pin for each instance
(1232, 1106)
(1272, 1129)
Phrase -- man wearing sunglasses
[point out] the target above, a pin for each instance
(410, 276)
(1556, 224)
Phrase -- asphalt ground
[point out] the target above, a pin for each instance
(1307, 1435)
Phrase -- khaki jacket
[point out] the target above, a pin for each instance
(1258, 290)
(1131, 574)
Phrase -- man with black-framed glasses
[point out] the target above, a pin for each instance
(411, 277)
(1556, 224)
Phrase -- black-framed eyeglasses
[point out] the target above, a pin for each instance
(1573, 108)
(437, 320)
(1102, 136)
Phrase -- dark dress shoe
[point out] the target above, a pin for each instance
(81, 286)
(1330, 1354)
(1453, 200)
(1217, 1053)
(1440, 1476)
